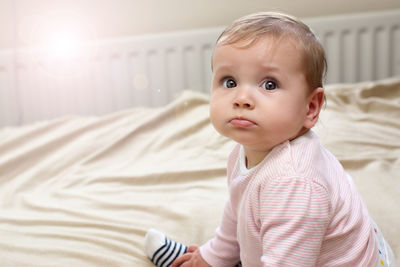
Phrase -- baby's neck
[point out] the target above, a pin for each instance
(253, 158)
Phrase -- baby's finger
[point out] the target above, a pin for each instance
(180, 260)
(192, 248)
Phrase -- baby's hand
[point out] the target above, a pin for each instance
(192, 258)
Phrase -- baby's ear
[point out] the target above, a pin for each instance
(314, 105)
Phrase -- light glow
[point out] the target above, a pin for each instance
(63, 46)
(59, 41)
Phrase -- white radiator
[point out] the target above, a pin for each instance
(152, 70)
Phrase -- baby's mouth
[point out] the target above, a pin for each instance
(242, 122)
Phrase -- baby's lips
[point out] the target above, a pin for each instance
(242, 123)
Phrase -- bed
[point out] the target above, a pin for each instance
(82, 189)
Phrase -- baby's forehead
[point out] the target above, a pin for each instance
(264, 51)
(265, 55)
(267, 43)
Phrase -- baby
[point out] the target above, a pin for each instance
(290, 201)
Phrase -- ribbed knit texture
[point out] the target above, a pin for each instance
(298, 207)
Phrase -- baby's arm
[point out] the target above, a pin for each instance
(223, 249)
(294, 215)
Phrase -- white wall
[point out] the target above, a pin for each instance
(115, 18)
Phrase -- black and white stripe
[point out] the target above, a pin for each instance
(167, 253)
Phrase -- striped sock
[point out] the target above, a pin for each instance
(161, 250)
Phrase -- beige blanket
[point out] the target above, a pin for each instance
(82, 191)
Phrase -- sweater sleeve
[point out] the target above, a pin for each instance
(223, 249)
(294, 216)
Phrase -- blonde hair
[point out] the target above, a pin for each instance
(252, 27)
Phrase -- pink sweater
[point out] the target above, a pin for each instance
(298, 207)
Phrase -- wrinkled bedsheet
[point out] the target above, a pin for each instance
(82, 191)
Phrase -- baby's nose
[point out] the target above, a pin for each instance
(243, 99)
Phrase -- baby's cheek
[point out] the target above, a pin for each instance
(215, 108)
(216, 117)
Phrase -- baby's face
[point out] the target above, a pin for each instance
(259, 93)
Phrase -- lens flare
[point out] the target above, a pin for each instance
(61, 42)
(63, 46)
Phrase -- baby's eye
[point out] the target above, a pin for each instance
(229, 83)
(269, 85)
